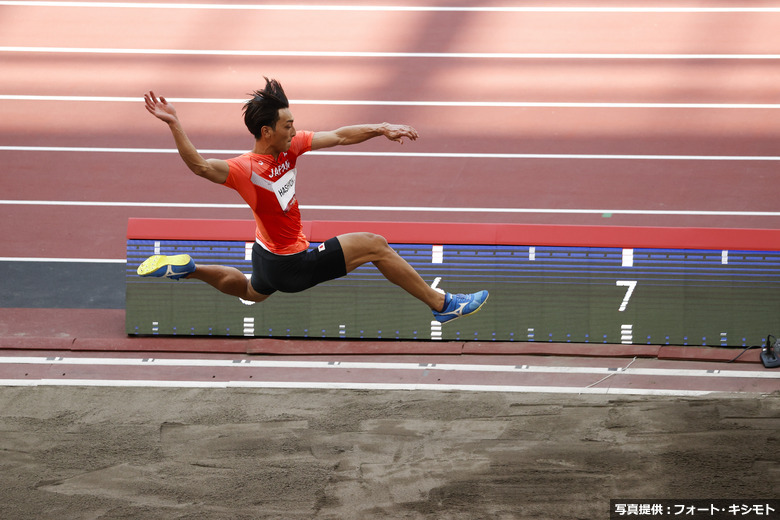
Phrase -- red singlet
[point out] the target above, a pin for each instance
(268, 186)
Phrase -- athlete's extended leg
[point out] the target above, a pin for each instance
(228, 280)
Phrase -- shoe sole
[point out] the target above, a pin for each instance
(153, 263)
(469, 314)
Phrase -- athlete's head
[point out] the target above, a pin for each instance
(263, 109)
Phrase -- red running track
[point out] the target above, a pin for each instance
(510, 183)
(572, 155)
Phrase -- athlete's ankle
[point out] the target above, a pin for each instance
(441, 303)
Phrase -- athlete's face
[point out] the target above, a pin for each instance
(284, 131)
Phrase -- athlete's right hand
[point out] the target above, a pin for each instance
(160, 108)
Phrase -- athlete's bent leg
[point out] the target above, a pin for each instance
(228, 280)
(361, 248)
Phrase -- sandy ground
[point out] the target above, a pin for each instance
(110, 453)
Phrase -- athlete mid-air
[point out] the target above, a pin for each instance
(266, 179)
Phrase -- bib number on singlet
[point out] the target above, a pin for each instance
(284, 189)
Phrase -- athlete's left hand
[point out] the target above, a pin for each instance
(398, 132)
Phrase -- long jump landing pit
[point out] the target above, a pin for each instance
(596, 286)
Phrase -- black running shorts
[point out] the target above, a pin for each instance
(298, 272)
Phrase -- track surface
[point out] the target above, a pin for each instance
(562, 114)
(711, 106)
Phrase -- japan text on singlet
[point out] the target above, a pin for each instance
(268, 186)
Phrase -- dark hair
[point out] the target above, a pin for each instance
(263, 109)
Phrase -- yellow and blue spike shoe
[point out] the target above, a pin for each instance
(459, 305)
(173, 267)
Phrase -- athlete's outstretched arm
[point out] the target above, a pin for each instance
(359, 133)
(215, 170)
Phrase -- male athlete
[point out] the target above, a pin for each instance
(265, 178)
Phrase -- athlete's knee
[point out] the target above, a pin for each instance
(255, 297)
(361, 248)
(251, 294)
(376, 244)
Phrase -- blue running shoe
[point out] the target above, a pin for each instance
(173, 267)
(459, 305)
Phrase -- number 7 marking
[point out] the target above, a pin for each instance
(629, 291)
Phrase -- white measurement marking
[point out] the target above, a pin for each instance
(249, 326)
(626, 334)
(628, 258)
(630, 286)
(435, 330)
(437, 254)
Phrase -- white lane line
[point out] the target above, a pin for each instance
(356, 54)
(446, 104)
(414, 155)
(421, 209)
(64, 260)
(351, 386)
(349, 365)
(387, 8)
(104, 204)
